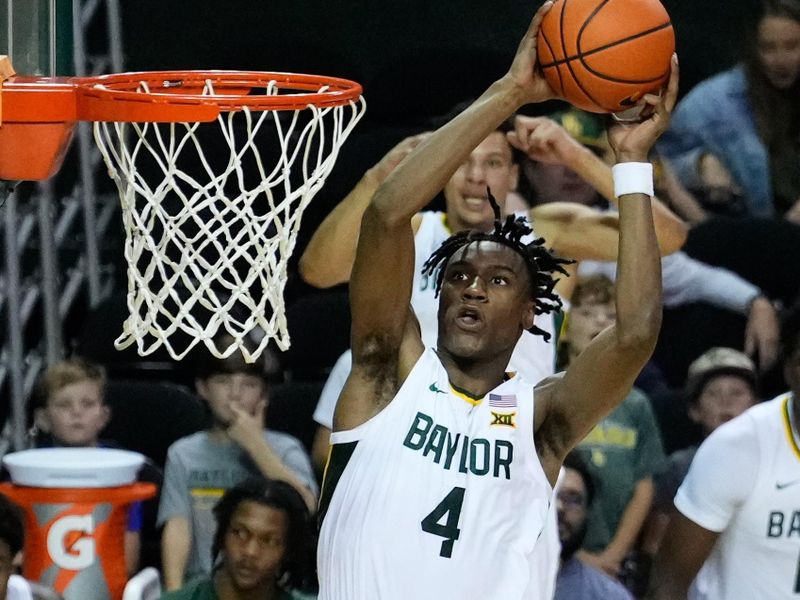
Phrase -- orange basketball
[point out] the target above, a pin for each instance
(604, 55)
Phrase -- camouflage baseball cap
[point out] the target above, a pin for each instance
(718, 361)
(584, 127)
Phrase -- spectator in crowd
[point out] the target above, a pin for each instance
(722, 384)
(685, 280)
(202, 466)
(12, 536)
(71, 412)
(623, 452)
(737, 134)
(577, 580)
(263, 546)
(735, 531)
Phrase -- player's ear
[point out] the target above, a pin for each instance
(529, 315)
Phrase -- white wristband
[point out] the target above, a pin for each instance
(633, 178)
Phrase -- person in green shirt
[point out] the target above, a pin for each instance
(263, 547)
(623, 451)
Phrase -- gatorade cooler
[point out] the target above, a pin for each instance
(76, 511)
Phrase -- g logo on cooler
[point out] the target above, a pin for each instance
(79, 554)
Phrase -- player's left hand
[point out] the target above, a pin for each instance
(633, 141)
(544, 140)
(525, 71)
(247, 429)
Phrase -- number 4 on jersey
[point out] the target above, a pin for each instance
(451, 507)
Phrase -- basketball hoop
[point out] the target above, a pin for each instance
(214, 170)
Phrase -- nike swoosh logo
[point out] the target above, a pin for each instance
(783, 486)
(433, 388)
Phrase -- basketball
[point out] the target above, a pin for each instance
(604, 55)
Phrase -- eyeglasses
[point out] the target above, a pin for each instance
(572, 500)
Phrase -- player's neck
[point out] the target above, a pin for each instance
(454, 224)
(475, 378)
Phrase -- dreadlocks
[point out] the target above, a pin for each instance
(541, 263)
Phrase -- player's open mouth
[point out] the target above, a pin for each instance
(469, 318)
(475, 203)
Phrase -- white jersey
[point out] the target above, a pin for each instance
(533, 358)
(437, 497)
(744, 482)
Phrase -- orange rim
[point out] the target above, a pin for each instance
(37, 117)
(38, 114)
(178, 95)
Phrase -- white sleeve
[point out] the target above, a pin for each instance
(722, 475)
(323, 414)
(688, 280)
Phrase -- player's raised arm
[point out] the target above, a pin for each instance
(380, 285)
(328, 257)
(602, 375)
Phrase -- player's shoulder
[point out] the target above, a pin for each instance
(765, 416)
(429, 223)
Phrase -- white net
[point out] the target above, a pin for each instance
(211, 213)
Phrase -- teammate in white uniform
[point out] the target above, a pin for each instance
(410, 510)
(736, 534)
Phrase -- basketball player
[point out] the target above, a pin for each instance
(441, 472)
(736, 531)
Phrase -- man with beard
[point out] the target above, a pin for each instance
(577, 580)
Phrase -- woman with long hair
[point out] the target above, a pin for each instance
(738, 133)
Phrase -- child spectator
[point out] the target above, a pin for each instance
(721, 386)
(202, 466)
(623, 452)
(71, 412)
